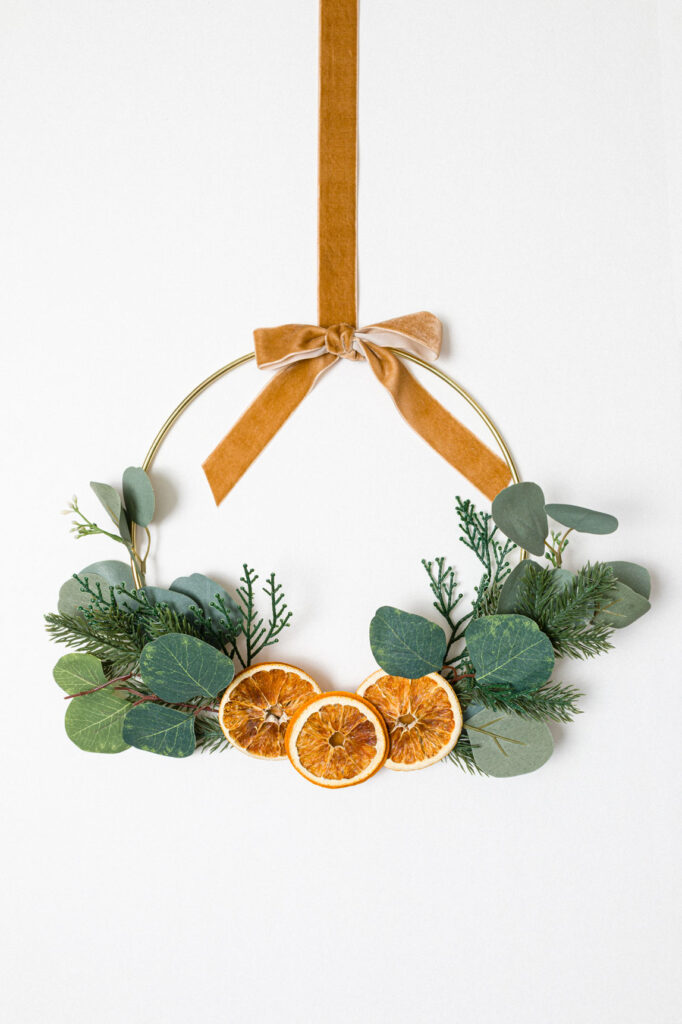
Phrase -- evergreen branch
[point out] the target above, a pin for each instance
(553, 702)
(462, 754)
(210, 737)
(118, 650)
(280, 616)
(566, 616)
(443, 584)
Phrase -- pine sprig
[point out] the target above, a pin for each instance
(553, 702)
(210, 737)
(462, 754)
(566, 616)
(118, 648)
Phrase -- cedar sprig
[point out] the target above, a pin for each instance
(567, 616)
(257, 633)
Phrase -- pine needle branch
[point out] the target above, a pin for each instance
(462, 754)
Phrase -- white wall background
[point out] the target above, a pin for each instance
(521, 177)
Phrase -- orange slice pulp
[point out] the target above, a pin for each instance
(423, 717)
(258, 705)
(337, 739)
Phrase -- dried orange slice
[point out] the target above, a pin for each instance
(258, 705)
(337, 739)
(423, 717)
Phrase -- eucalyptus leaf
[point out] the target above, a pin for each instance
(95, 722)
(204, 592)
(109, 498)
(114, 574)
(624, 607)
(519, 512)
(179, 603)
(77, 672)
(506, 745)
(406, 645)
(159, 730)
(584, 520)
(138, 496)
(72, 597)
(177, 668)
(124, 529)
(509, 650)
(634, 576)
(510, 593)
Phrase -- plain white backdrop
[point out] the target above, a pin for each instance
(520, 175)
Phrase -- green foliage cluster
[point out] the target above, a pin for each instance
(499, 655)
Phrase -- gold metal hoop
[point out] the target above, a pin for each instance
(224, 370)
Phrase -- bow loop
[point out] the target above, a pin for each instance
(302, 352)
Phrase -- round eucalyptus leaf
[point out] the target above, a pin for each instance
(519, 512)
(95, 722)
(113, 571)
(506, 745)
(205, 592)
(72, 597)
(509, 650)
(159, 730)
(510, 594)
(179, 603)
(177, 668)
(406, 645)
(77, 672)
(634, 576)
(584, 520)
(138, 496)
(624, 607)
(109, 498)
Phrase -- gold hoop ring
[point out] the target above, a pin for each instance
(224, 370)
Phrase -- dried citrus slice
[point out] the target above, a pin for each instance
(258, 705)
(337, 739)
(423, 717)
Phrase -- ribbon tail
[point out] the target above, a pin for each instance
(259, 424)
(446, 435)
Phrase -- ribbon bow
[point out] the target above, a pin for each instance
(301, 353)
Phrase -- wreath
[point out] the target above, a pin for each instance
(175, 670)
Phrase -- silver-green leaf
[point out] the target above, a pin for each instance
(204, 592)
(138, 496)
(159, 730)
(178, 668)
(625, 607)
(507, 745)
(406, 645)
(509, 650)
(109, 498)
(634, 576)
(584, 520)
(519, 512)
(72, 597)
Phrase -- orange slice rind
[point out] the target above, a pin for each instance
(337, 739)
(259, 704)
(423, 717)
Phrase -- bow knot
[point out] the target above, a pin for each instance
(302, 352)
(338, 341)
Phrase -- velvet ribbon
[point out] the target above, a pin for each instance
(301, 353)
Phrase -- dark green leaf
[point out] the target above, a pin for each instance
(138, 496)
(178, 667)
(72, 597)
(634, 576)
(584, 520)
(506, 745)
(95, 722)
(623, 608)
(406, 645)
(109, 498)
(511, 589)
(509, 650)
(78, 672)
(519, 512)
(158, 729)
(204, 593)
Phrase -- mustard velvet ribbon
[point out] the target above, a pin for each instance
(301, 353)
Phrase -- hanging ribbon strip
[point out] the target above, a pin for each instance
(301, 353)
